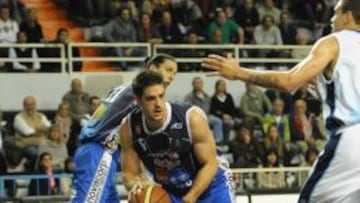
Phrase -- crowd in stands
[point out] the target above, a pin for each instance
(262, 22)
(267, 129)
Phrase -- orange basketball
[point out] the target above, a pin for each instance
(152, 194)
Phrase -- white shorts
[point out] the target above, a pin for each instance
(335, 176)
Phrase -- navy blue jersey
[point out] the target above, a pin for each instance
(167, 152)
(105, 122)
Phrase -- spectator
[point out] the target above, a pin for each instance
(271, 179)
(23, 52)
(78, 100)
(302, 39)
(267, 34)
(200, 98)
(30, 127)
(8, 26)
(169, 31)
(62, 37)
(312, 98)
(65, 183)
(273, 141)
(31, 26)
(228, 29)
(247, 151)
(248, 17)
(147, 31)
(267, 8)
(277, 118)
(69, 127)
(95, 102)
(305, 131)
(187, 14)
(64, 121)
(44, 186)
(155, 9)
(122, 29)
(222, 105)
(288, 31)
(55, 145)
(311, 155)
(192, 38)
(254, 104)
(273, 94)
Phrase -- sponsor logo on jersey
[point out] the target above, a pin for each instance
(177, 126)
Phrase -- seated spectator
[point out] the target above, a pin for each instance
(277, 118)
(247, 151)
(248, 17)
(271, 179)
(228, 29)
(311, 156)
(65, 183)
(222, 106)
(305, 131)
(200, 98)
(268, 8)
(55, 145)
(23, 52)
(30, 128)
(69, 127)
(122, 29)
(311, 96)
(272, 140)
(273, 94)
(267, 33)
(147, 31)
(8, 26)
(155, 9)
(78, 101)
(288, 31)
(191, 38)
(63, 120)
(302, 39)
(254, 104)
(94, 102)
(44, 186)
(187, 14)
(169, 30)
(31, 26)
(62, 37)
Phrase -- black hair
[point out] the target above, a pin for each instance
(60, 30)
(157, 60)
(354, 7)
(145, 79)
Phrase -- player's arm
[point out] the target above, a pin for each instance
(205, 153)
(321, 55)
(130, 162)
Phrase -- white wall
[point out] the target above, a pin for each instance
(49, 88)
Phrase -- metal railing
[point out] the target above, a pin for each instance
(241, 180)
(67, 56)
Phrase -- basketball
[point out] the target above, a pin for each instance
(152, 194)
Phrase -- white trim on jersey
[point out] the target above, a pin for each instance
(98, 183)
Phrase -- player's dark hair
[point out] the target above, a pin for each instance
(354, 7)
(145, 79)
(158, 60)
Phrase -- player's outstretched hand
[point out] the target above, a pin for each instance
(222, 66)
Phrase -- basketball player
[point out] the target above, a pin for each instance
(334, 62)
(175, 144)
(97, 159)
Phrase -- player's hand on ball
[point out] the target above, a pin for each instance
(188, 199)
(137, 188)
